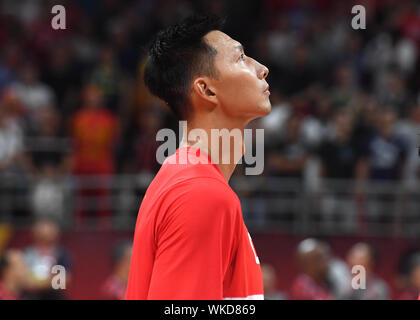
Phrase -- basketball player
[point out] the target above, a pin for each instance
(190, 239)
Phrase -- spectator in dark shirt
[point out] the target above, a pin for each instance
(383, 159)
(62, 74)
(384, 153)
(339, 153)
(46, 147)
(288, 157)
(299, 73)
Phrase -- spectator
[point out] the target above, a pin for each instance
(33, 93)
(62, 75)
(395, 94)
(94, 151)
(47, 159)
(44, 253)
(141, 154)
(116, 283)
(108, 79)
(11, 57)
(338, 275)
(288, 157)
(299, 74)
(362, 254)
(409, 129)
(338, 154)
(412, 287)
(345, 93)
(11, 150)
(46, 147)
(312, 284)
(94, 131)
(11, 133)
(383, 159)
(270, 283)
(384, 153)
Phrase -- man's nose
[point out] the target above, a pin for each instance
(263, 72)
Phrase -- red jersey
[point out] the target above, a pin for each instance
(190, 240)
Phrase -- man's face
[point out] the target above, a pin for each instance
(46, 233)
(360, 256)
(386, 122)
(241, 88)
(320, 261)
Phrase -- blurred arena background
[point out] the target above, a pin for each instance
(78, 146)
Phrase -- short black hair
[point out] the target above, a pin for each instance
(176, 55)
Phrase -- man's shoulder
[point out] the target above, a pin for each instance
(201, 204)
(192, 182)
(199, 193)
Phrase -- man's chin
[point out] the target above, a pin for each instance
(262, 112)
(265, 110)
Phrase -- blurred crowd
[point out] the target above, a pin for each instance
(324, 276)
(42, 270)
(73, 103)
(28, 273)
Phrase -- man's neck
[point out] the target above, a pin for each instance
(213, 147)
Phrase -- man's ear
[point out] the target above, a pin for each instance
(203, 89)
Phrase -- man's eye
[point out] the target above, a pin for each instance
(241, 57)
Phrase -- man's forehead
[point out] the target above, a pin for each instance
(220, 40)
